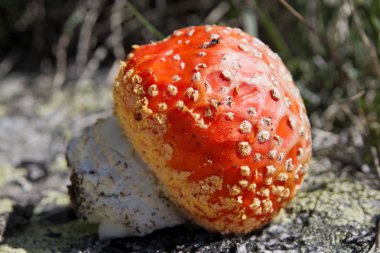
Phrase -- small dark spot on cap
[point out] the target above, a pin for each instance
(213, 42)
(138, 116)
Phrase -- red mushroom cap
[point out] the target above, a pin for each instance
(216, 115)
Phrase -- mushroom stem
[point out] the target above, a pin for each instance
(112, 186)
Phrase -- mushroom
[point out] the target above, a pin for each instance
(216, 116)
(112, 186)
(209, 118)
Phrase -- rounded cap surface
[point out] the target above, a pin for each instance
(217, 116)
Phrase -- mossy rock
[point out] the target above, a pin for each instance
(46, 237)
(332, 213)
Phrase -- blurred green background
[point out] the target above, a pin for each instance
(332, 47)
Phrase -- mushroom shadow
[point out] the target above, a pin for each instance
(54, 231)
(182, 238)
(60, 230)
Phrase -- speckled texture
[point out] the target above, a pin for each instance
(232, 104)
(111, 185)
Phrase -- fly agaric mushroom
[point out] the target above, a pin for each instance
(110, 185)
(217, 117)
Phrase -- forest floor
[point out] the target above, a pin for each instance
(337, 210)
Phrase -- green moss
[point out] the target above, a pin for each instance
(90, 99)
(3, 110)
(341, 202)
(7, 173)
(6, 205)
(329, 210)
(51, 200)
(8, 249)
(41, 236)
(45, 237)
(59, 164)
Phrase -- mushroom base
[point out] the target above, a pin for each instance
(111, 185)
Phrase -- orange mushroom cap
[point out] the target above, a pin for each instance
(216, 115)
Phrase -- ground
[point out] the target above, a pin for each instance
(337, 209)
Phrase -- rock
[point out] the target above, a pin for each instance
(25, 139)
(111, 185)
(51, 201)
(332, 213)
(5, 210)
(338, 217)
(36, 171)
(49, 237)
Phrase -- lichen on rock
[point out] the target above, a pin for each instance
(44, 237)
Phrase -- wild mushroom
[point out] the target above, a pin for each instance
(217, 117)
